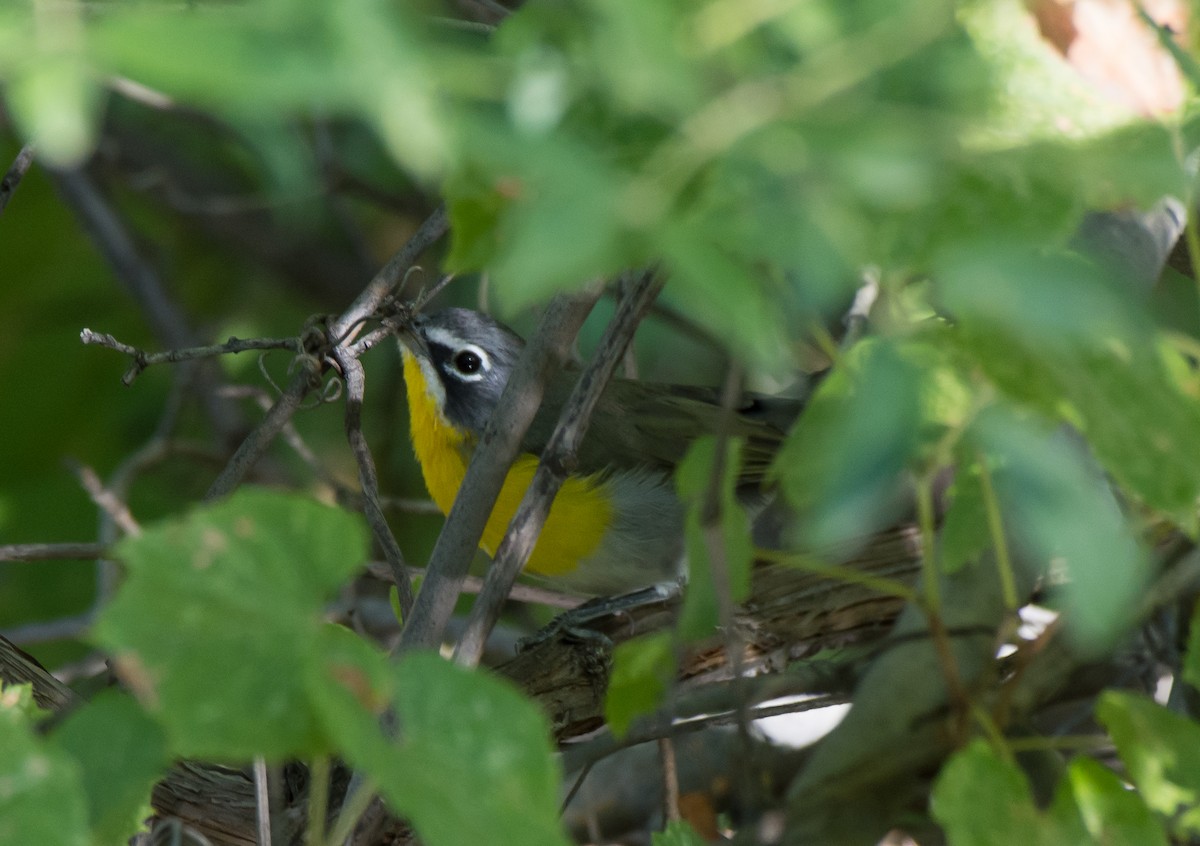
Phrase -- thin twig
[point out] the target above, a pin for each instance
(63, 628)
(257, 442)
(143, 359)
(51, 551)
(20, 166)
(347, 496)
(352, 810)
(557, 459)
(719, 570)
(856, 318)
(408, 505)
(262, 801)
(318, 801)
(711, 704)
(106, 500)
(578, 783)
(355, 379)
(501, 441)
(531, 594)
(670, 773)
(139, 278)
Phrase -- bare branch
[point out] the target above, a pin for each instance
(666, 754)
(51, 551)
(474, 584)
(547, 349)
(142, 282)
(557, 459)
(262, 801)
(257, 442)
(390, 274)
(60, 629)
(142, 359)
(106, 500)
(352, 372)
(20, 166)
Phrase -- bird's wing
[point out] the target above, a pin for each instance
(649, 425)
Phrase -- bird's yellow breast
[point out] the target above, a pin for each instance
(579, 517)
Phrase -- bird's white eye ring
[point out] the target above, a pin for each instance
(468, 362)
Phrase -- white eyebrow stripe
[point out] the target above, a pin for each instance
(446, 338)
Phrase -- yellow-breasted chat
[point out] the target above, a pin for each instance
(616, 524)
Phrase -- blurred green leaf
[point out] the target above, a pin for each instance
(725, 533)
(964, 533)
(1191, 658)
(41, 798)
(1133, 414)
(1051, 300)
(121, 753)
(56, 103)
(981, 799)
(842, 462)
(1094, 799)
(1058, 507)
(642, 672)
(472, 760)
(221, 612)
(677, 833)
(544, 194)
(1161, 753)
(724, 293)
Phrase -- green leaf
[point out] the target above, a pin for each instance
(56, 104)
(220, 614)
(841, 465)
(1058, 508)
(1055, 334)
(1160, 750)
(569, 197)
(41, 798)
(1053, 300)
(642, 672)
(1093, 798)
(965, 533)
(677, 833)
(121, 753)
(463, 740)
(727, 537)
(1191, 658)
(981, 799)
(724, 292)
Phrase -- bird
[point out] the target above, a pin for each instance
(616, 525)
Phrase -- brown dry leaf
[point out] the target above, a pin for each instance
(698, 809)
(1109, 46)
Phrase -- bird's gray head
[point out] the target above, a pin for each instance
(466, 358)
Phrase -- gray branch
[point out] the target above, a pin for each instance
(548, 349)
(257, 442)
(558, 459)
(51, 551)
(143, 359)
(352, 372)
(20, 166)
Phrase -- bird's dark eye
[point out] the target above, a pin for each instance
(467, 362)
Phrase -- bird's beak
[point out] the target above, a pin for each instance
(410, 337)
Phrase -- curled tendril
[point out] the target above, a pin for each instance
(426, 295)
(413, 271)
(262, 368)
(333, 389)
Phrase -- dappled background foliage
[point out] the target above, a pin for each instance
(214, 169)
